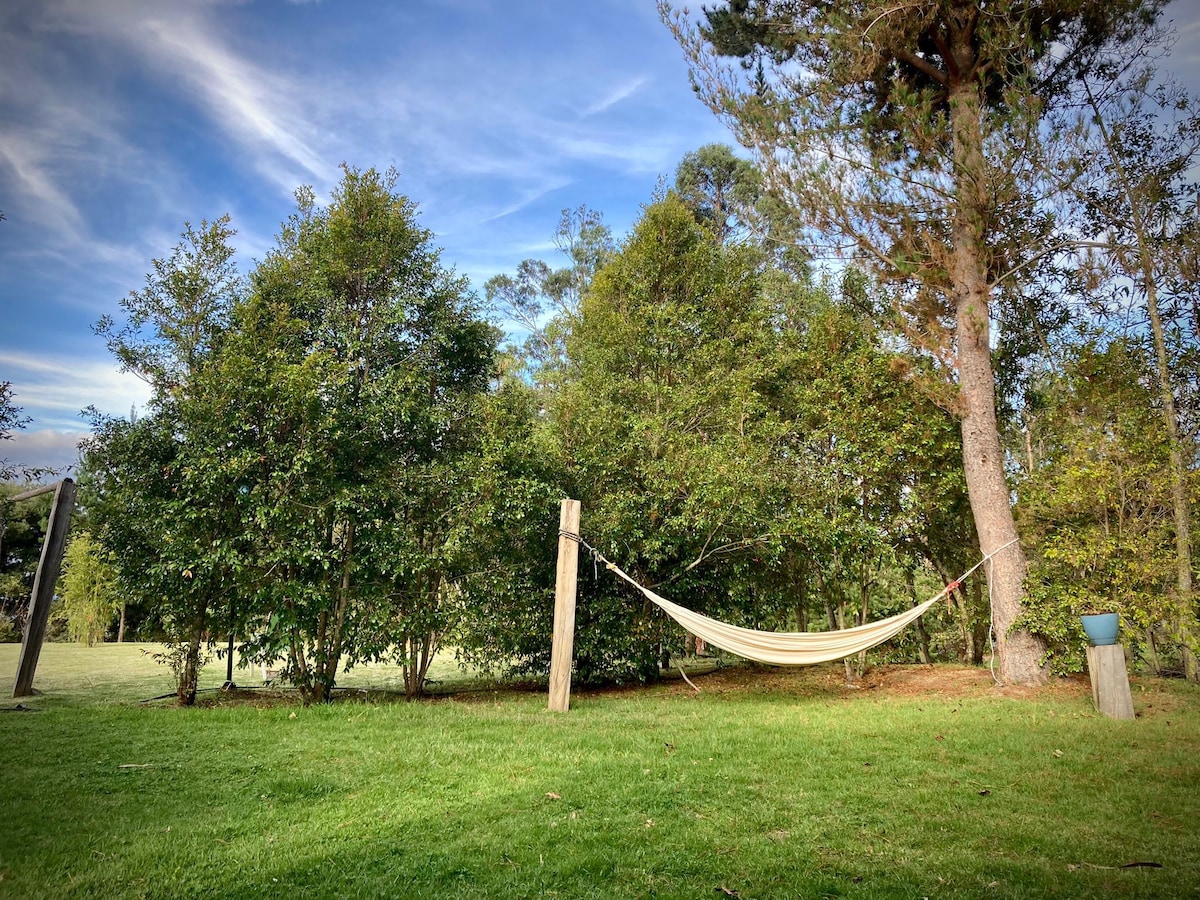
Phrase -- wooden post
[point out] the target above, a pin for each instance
(562, 649)
(1110, 681)
(44, 583)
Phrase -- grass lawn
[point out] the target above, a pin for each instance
(926, 782)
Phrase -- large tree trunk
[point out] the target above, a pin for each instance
(983, 460)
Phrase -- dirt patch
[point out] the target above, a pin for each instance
(952, 681)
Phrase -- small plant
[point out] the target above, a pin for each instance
(175, 658)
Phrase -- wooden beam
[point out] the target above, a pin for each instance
(35, 492)
(1110, 681)
(43, 586)
(562, 650)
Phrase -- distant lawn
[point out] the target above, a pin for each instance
(106, 673)
(923, 783)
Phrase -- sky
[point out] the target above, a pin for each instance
(120, 120)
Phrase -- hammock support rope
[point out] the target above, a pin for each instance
(787, 648)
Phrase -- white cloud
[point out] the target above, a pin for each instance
(614, 96)
(43, 449)
(57, 388)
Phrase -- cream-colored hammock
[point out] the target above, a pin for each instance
(792, 648)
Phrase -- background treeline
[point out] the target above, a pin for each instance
(345, 460)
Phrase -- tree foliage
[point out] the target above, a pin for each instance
(1095, 501)
(301, 476)
(740, 438)
(913, 136)
(88, 590)
(543, 302)
(11, 419)
(1140, 196)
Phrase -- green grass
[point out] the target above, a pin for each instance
(117, 673)
(765, 784)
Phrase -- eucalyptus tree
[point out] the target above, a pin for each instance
(911, 134)
(543, 301)
(721, 187)
(1142, 199)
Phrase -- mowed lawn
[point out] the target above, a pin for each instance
(924, 782)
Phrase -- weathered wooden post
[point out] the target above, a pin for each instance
(43, 584)
(1110, 681)
(562, 650)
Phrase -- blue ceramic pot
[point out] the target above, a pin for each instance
(1101, 629)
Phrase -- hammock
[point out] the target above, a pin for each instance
(792, 648)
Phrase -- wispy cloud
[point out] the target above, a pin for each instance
(256, 107)
(614, 96)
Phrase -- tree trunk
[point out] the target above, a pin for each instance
(1179, 487)
(922, 634)
(121, 627)
(1185, 618)
(983, 460)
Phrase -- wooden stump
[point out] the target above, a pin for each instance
(1110, 681)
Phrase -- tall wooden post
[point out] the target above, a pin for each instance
(43, 586)
(562, 649)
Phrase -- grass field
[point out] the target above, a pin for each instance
(925, 782)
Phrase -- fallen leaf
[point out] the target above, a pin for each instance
(985, 793)
(553, 796)
(727, 892)
(939, 738)
(1057, 753)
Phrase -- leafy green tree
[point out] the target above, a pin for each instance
(88, 590)
(660, 424)
(357, 362)
(915, 137)
(513, 485)
(22, 533)
(11, 419)
(720, 187)
(744, 439)
(156, 510)
(173, 323)
(1096, 503)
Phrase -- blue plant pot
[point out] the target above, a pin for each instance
(1101, 629)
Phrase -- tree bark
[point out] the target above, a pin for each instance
(983, 460)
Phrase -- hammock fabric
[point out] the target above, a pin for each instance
(785, 648)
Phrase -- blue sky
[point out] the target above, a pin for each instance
(121, 119)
